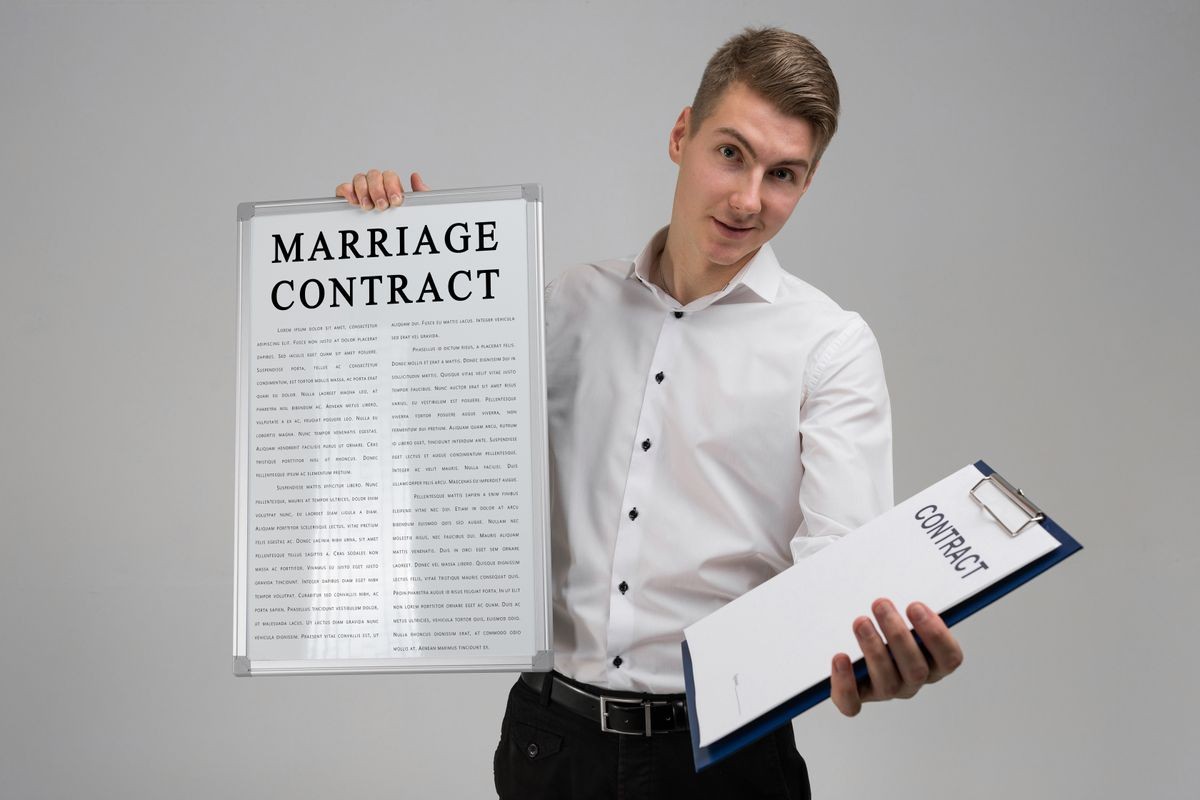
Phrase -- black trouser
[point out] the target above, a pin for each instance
(547, 751)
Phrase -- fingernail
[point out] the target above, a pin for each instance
(863, 628)
(839, 664)
(918, 612)
(380, 204)
(396, 199)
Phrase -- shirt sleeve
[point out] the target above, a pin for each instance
(845, 441)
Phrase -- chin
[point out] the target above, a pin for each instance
(727, 256)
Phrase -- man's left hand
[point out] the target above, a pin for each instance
(897, 667)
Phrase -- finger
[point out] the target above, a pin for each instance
(907, 655)
(418, 184)
(393, 188)
(375, 187)
(346, 190)
(360, 191)
(944, 650)
(843, 689)
(885, 680)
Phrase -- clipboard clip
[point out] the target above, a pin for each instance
(1032, 512)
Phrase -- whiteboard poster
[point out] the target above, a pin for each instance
(391, 436)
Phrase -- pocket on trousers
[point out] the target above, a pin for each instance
(529, 762)
(533, 743)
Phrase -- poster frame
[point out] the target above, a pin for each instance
(540, 657)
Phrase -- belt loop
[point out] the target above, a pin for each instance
(547, 685)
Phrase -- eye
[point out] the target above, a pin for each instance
(784, 175)
(727, 152)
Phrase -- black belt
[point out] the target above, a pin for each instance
(636, 717)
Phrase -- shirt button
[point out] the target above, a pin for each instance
(532, 750)
(618, 661)
(659, 378)
(633, 513)
(624, 587)
(678, 315)
(646, 445)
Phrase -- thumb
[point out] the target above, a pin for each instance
(418, 184)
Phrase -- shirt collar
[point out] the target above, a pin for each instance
(760, 275)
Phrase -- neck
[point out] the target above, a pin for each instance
(686, 275)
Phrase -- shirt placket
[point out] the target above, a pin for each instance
(639, 510)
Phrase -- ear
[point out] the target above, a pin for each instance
(679, 134)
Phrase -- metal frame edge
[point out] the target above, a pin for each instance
(544, 641)
(241, 451)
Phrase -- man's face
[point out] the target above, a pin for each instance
(740, 175)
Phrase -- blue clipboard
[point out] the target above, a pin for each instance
(784, 713)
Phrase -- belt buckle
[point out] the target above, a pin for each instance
(646, 706)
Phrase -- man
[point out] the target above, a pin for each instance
(712, 419)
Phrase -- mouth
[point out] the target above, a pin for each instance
(732, 231)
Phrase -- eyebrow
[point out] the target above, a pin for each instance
(791, 162)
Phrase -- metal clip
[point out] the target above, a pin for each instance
(1016, 496)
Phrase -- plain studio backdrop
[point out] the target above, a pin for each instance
(1011, 202)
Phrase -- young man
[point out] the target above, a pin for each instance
(712, 419)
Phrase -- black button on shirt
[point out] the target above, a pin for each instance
(624, 587)
(618, 661)
(678, 315)
(659, 378)
(633, 513)
(646, 445)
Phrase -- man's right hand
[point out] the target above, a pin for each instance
(378, 190)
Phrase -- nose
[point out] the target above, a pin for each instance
(747, 197)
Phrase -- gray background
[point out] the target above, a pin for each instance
(1011, 202)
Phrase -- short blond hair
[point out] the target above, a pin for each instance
(785, 68)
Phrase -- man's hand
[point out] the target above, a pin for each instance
(378, 190)
(899, 667)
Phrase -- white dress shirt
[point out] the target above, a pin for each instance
(696, 451)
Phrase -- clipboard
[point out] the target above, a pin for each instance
(1000, 501)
